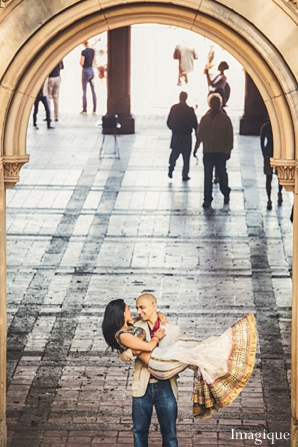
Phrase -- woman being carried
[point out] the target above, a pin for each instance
(222, 364)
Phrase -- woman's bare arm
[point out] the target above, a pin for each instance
(135, 343)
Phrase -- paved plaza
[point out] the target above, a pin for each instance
(83, 230)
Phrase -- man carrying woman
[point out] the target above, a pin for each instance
(147, 390)
(222, 364)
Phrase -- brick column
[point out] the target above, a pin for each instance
(2, 309)
(118, 79)
(255, 112)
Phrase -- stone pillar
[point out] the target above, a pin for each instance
(255, 112)
(118, 78)
(294, 341)
(2, 309)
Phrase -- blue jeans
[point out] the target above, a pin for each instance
(87, 77)
(160, 395)
(219, 161)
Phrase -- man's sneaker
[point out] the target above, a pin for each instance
(170, 174)
(227, 199)
(185, 178)
(269, 205)
(83, 112)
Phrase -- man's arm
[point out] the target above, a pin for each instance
(194, 120)
(170, 119)
(231, 136)
(127, 356)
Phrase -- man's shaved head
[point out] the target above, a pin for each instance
(148, 297)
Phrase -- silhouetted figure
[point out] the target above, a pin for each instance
(215, 131)
(181, 120)
(266, 137)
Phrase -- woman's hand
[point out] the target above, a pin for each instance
(160, 333)
(163, 319)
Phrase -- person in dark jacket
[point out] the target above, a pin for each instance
(181, 120)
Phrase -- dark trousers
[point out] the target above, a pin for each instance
(180, 144)
(45, 102)
(217, 160)
(161, 396)
(87, 78)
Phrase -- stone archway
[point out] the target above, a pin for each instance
(50, 31)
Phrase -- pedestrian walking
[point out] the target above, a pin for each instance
(54, 81)
(215, 131)
(181, 120)
(86, 61)
(42, 97)
(186, 55)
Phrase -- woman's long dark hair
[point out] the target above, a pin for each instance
(112, 322)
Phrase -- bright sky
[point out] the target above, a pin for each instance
(154, 73)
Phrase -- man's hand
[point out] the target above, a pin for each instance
(163, 319)
(160, 333)
(127, 355)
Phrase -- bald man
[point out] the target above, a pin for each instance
(147, 391)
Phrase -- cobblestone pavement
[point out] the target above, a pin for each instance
(82, 231)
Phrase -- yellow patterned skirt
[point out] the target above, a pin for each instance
(222, 365)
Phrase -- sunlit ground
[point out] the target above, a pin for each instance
(154, 73)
